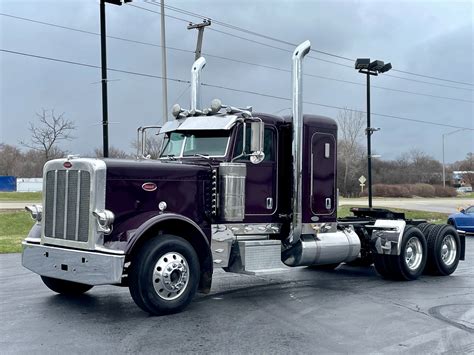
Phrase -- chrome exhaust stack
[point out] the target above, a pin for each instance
(297, 149)
(196, 84)
(311, 244)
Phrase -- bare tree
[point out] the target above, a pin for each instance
(49, 130)
(113, 153)
(152, 146)
(350, 151)
(10, 160)
(467, 165)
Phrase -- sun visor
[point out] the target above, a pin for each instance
(200, 123)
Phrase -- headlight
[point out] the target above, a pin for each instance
(105, 218)
(36, 212)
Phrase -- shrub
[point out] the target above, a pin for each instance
(448, 191)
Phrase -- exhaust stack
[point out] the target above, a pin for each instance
(196, 83)
(318, 246)
(297, 149)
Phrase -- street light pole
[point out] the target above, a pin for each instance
(103, 56)
(365, 66)
(369, 143)
(163, 61)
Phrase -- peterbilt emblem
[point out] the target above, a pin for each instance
(149, 186)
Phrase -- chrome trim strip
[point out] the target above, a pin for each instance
(78, 199)
(252, 228)
(54, 202)
(66, 191)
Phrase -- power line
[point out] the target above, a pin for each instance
(290, 51)
(92, 66)
(236, 28)
(335, 107)
(226, 58)
(224, 88)
(335, 79)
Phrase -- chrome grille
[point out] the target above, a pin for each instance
(67, 201)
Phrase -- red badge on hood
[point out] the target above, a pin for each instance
(149, 186)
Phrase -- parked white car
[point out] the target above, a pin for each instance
(464, 189)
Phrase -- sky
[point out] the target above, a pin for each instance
(432, 38)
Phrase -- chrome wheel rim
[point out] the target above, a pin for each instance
(448, 250)
(413, 253)
(170, 276)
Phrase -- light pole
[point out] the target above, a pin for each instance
(164, 83)
(365, 66)
(444, 135)
(103, 57)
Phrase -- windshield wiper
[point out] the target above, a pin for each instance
(206, 156)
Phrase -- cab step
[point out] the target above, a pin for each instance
(256, 257)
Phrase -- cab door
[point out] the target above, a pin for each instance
(323, 171)
(261, 181)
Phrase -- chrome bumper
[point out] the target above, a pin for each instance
(73, 265)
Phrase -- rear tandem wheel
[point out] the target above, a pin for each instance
(444, 250)
(411, 262)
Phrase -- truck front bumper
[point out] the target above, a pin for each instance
(90, 268)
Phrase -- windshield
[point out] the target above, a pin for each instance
(192, 143)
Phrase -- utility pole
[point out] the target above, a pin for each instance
(163, 61)
(103, 55)
(200, 27)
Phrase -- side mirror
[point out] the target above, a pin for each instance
(462, 210)
(257, 130)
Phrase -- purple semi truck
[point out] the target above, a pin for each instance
(247, 192)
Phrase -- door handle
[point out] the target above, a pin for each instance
(328, 204)
(269, 203)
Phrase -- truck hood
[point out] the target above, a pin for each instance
(181, 186)
(155, 170)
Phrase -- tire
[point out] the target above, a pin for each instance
(409, 265)
(164, 275)
(426, 228)
(326, 267)
(444, 250)
(64, 287)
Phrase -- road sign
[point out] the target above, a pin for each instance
(362, 179)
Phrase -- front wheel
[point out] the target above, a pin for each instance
(64, 287)
(164, 275)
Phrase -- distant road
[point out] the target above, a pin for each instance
(442, 205)
(16, 205)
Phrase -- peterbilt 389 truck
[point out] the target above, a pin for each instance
(234, 189)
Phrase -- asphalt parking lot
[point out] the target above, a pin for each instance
(349, 310)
